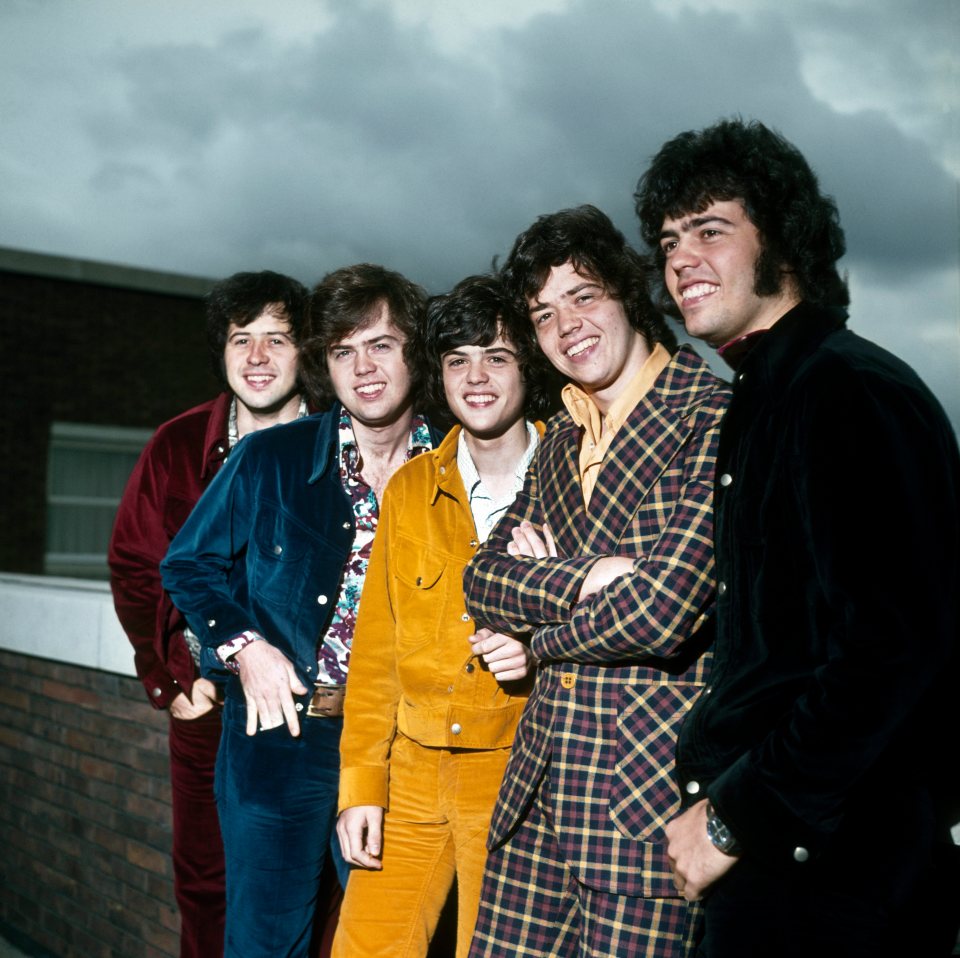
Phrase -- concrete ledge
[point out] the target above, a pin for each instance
(101, 274)
(71, 621)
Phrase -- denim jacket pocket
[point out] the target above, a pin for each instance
(282, 549)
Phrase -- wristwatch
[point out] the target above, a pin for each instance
(718, 833)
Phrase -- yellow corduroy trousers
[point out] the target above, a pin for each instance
(434, 831)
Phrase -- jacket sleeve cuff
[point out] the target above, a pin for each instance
(161, 688)
(227, 650)
(363, 785)
(764, 826)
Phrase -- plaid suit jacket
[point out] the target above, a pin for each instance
(619, 671)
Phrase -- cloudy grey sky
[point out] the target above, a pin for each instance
(301, 135)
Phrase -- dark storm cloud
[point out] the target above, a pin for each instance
(366, 141)
(303, 136)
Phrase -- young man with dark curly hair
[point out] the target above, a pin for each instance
(819, 799)
(606, 556)
(432, 703)
(256, 325)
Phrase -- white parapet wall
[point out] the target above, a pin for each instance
(67, 620)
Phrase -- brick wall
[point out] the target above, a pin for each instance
(86, 348)
(84, 813)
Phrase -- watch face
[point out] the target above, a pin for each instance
(718, 833)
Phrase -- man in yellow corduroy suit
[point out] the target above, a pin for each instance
(432, 703)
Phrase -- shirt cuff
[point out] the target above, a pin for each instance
(231, 647)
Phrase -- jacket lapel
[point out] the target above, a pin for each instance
(560, 490)
(644, 446)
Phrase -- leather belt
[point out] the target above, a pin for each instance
(326, 701)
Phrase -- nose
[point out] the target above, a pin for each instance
(683, 255)
(477, 372)
(363, 362)
(257, 353)
(568, 321)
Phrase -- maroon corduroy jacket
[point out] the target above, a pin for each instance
(174, 469)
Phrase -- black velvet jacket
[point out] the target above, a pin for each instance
(837, 549)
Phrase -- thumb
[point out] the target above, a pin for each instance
(296, 686)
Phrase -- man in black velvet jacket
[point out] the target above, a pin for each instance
(819, 772)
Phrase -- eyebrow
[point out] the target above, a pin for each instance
(269, 332)
(697, 221)
(366, 342)
(539, 305)
(486, 351)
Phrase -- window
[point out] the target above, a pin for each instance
(87, 470)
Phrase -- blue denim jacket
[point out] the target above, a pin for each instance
(265, 547)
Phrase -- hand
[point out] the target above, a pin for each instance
(603, 572)
(269, 683)
(360, 831)
(202, 699)
(507, 658)
(528, 542)
(697, 862)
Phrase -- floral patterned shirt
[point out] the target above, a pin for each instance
(333, 655)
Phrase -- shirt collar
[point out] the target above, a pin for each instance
(584, 410)
(471, 477)
(349, 451)
(233, 432)
(484, 508)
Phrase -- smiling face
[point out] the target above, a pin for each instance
(710, 271)
(260, 360)
(369, 373)
(585, 333)
(484, 387)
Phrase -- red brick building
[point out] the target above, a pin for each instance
(95, 357)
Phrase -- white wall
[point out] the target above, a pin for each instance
(67, 620)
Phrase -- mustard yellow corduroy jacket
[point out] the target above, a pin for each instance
(411, 666)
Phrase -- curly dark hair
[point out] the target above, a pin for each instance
(586, 238)
(799, 226)
(349, 299)
(474, 313)
(243, 297)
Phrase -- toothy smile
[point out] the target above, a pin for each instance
(697, 290)
(583, 345)
(371, 389)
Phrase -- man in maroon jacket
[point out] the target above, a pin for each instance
(255, 325)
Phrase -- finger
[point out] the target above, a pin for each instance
(296, 686)
(374, 839)
(343, 837)
(355, 853)
(537, 545)
(527, 541)
(513, 664)
(289, 709)
(252, 717)
(368, 861)
(518, 543)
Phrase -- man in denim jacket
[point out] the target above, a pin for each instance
(268, 571)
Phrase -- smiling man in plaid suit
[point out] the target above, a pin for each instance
(607, 558)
